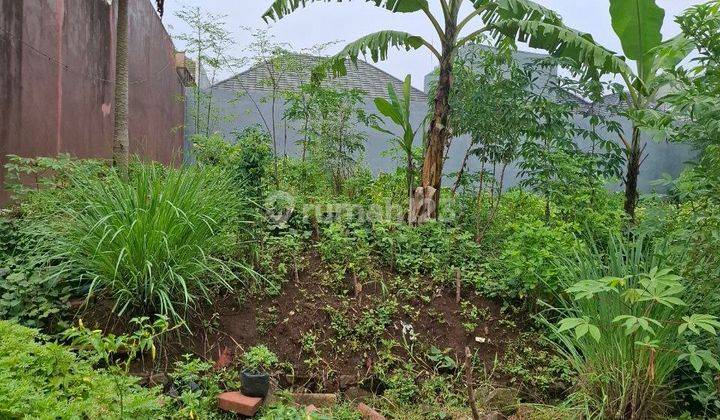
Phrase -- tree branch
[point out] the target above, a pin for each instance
(472, 35)
(432, 49)
(470, 17)
(435, 23)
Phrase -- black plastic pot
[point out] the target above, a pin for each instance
(255, 384)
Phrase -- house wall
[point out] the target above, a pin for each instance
(239, 112)
(661, 158)
(57, 70)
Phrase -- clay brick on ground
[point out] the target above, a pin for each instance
(318, 400)
(368, 413)
(235, 402)
(310, 409)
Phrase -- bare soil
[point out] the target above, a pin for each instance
(224, 330)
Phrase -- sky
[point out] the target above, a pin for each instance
(322, 22)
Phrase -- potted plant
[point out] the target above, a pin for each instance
(255, 376)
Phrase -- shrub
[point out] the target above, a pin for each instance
(279, 257)
(305, 179)
(29, 294)
(526, 264)
(151, 243)
(245, 161)
(624, 330)
(259, 359)
(47, 380)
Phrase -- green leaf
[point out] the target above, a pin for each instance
(633, 323)
(560, 41)
(582, 327)
(281, 8)
(569, 323)
(695, 322)
(587, 289)
(638, 24)
(377, 46)
(388, 110)
(696, 361)
(669, 54)
(594, 332)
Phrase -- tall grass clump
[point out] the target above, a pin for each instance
(622, 325)
(152, 243)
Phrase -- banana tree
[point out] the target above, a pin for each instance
(449, 26)
(121, 131)
(638, 24)
(398, 110)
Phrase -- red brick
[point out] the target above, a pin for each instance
(235, 402)
(368, 413)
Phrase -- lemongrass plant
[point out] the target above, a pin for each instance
(152, 243)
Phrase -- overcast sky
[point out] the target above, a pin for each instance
(322, 22)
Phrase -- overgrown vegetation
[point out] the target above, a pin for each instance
(556, 297)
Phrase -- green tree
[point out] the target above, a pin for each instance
(638, 24)
(335, 141)
(489, 12)
(398, 110)
(273, 61)
(208, 41)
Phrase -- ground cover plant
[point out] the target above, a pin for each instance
(147, 291)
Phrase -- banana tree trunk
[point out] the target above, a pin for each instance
(438, 135)
(634, 160)
(121, 137)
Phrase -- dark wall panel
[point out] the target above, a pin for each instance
(57, 66)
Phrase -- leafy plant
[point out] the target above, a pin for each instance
(624, 330)
(336, 140)
(29, 294)
(44, 379)
(197, 384)
(398, 110)
(259, 359)
(527, 261)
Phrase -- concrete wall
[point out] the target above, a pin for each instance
(57, 69)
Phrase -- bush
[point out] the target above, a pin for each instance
(259, 359)
(279, 257)
(29, 294)
(526, 264)
(47, 380)
(624, 329)
(245, 161)
(430, 249)
(152, 243)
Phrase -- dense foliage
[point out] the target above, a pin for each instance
(554, 298)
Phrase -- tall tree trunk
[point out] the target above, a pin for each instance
(439, 131)
(121, 136)
(634, 160)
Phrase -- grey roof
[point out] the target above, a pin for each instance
(364, 76)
